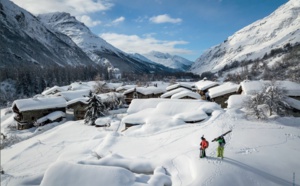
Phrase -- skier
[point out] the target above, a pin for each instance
(203, 146)
(222, 143)
(220, 149)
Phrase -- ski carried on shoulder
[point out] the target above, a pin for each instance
(222, 135)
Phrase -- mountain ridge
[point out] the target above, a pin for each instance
(95, 47)
(255, 40)
(36, 44)
(171, 61)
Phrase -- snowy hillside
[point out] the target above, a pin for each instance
(95, 47)
(254, 41)
(163, 151)
(171, 61)
(36, 44)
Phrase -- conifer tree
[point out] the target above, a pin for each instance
(95, 109)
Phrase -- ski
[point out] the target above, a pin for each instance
(222, 135)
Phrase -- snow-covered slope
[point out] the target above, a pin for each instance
(25, 40)
(95, 47)
(72, 153)
(255, 40)
(172, 61)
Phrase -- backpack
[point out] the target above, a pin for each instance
(207, 144)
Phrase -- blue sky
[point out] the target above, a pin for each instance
(181, 27)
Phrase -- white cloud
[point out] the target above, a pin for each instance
(88, 21)
(74, 7)
(118, 20)
(142, 45)
(165, 18)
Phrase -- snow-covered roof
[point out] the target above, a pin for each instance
(205, 84)
(113, 86)
(180, 84)
(223, 89)
(140, 104)
(108, 96)
(70, 95)
(294, 103)
(146, 90)
(52, 116)
(83, 85)
(167, 112)
(237, 101)
(252, 87)
(81, 100)
(186, 93)
(292, 88)
(53, 90)
(39, 103)
(172, 92)
(125, 87)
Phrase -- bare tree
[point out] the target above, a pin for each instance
(274, 98)
(271, 97)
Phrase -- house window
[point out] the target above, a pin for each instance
(135, 95)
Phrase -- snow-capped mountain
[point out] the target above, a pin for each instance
(25, 40)
(95, 47)
(171, 61)
(275, 31)
(141, 57)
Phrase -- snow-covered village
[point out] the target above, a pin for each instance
(78, 109)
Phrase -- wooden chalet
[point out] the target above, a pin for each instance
(203, 86)
(79, 106)
(221, 93)
(28, 111)
(142, 93)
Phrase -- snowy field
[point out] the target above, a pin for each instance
(166, 152)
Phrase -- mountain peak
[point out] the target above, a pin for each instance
(171, 61)
(255, 40)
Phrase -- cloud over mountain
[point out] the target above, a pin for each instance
(137, 44)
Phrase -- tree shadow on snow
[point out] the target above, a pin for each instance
(270, 177)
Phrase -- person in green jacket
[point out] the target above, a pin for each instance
(220, 150)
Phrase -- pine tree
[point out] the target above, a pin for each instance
(95, 109)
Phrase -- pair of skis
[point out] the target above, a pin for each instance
(221, 135)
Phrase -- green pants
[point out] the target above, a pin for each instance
(220, 152)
